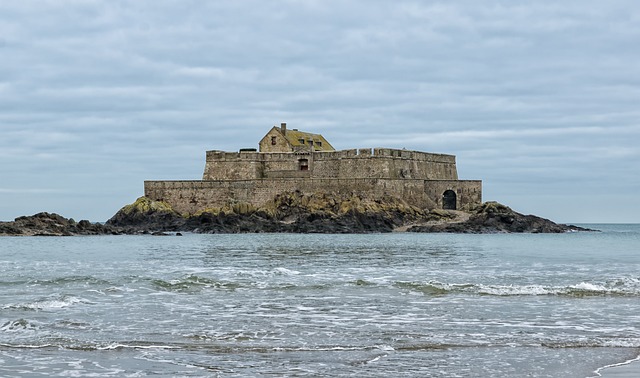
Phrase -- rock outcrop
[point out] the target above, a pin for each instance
(46, 224)
(287, 212)
(147, 215)
(493, 217)
(329, 213)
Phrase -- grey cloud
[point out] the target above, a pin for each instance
(97, 96)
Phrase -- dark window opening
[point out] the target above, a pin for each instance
(449, 200)
(304, 164)
(319, 144)
(273, 141)
(301, 141)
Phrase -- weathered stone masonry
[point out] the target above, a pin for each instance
(422, 179)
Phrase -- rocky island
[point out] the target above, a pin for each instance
(292, 212)
(329, 213)
(297, 182)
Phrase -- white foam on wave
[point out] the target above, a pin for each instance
(279, 271)
(26, 346)
(53, 304)
(387, 348)
(286, 272)
(117, 346)
(618, 287)
(46, 304)
(589, 287)
(376, 359)
(514, 290)
(622, 343)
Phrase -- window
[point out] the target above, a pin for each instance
(273, 141)
(304, 164)
(319, 144)
(301, 141)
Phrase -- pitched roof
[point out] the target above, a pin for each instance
(300, 138)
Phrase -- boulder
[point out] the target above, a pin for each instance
(146, 214)
(493, 217)
(51, 224)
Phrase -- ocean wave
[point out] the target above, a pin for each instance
(45, 304)
(361, 282)
(88, 280)
(18, 325)
(120, 346)
(192, 283)
(624, 342)
(90, 347)
(581, 289)
(279, 271)
(285, 272)
(13, 283)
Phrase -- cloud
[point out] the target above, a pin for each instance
(99, 96)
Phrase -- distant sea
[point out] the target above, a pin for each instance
(377, 305)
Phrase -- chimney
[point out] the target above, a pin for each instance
(283, 128)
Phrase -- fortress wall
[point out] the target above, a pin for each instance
(415, 155)
(377, 164)
(274, 164)
(231, 169)
(362, 163)
(469, 192)
(362, 153)
(249, 165)
(192, 196)
(288, 174)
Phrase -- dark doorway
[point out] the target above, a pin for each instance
(449, 200)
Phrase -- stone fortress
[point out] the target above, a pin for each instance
(293, 160)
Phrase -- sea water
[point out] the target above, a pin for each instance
(392, 305)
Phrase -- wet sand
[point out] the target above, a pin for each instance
(629, 369)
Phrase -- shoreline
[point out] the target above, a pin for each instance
(627, 369)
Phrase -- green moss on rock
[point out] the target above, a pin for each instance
(146, 205)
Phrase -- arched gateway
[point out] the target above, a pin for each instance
(449, 200)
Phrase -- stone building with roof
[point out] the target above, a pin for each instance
(293, 160)
(279, 139)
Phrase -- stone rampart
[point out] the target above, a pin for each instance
(190, 197)
(380, 163)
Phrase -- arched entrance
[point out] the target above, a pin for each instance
(449, 200)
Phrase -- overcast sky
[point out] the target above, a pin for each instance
(539, 99)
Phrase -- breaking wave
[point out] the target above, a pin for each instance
(45, 304)
(624, 287)
(193, 283)
(88, 280)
